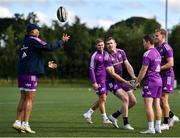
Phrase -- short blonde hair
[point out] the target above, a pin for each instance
(161, 31)
(99, 40)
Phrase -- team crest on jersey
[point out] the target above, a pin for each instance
(120, 56)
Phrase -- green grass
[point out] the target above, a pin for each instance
(57, 112)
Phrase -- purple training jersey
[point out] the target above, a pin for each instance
(117, 61)
(97, 71)
(166, 52)
(97, 68)
(152, 80)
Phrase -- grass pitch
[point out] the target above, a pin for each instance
(57, 112)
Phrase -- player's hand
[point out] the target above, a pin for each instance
(95, 86)
(128, 83)
(134, 84)
(65, 37)
(52, 65)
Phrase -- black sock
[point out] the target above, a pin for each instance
(125, 120)
(171, 114)
(166, 120)
(116, 114)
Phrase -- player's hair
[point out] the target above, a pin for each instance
(110, 38)
(99, 40)
(161, 31)
(150, 38)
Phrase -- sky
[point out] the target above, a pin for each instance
(94, 13)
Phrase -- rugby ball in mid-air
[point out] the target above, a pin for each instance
(61, 14)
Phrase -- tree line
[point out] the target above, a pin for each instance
(74, 57)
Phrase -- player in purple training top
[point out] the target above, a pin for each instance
(98, 79)
(167, 75)
(152, 86)
(30, 67)
(115, 61)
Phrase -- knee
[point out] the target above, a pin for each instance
(163, 101)
(133, 102)
(125, 99)
(102, 98)
(30, 98)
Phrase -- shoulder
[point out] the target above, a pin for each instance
(106, 55)
(120, 50)
(93, 55)
(146, 54)
(37, 40)
(167, 47)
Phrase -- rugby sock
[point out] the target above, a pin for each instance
(125, 120)
(25, 123)
(116, 114)
(90, 111)
(171, 114)
(151, 125)
(104, 116)
(158, 123)
(165, 120)
(18, 122)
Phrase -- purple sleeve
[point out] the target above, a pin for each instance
(123, 55)
(146, 60)
(168, 51)
(38, 43)
(92, 68)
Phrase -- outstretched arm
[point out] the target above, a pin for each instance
(129, 69)
(40, 44)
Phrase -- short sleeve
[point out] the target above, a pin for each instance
(146, 59)
(168, 51)
(123, 55)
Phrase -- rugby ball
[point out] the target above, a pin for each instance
(61, 14)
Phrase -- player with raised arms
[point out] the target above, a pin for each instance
(30, 67)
